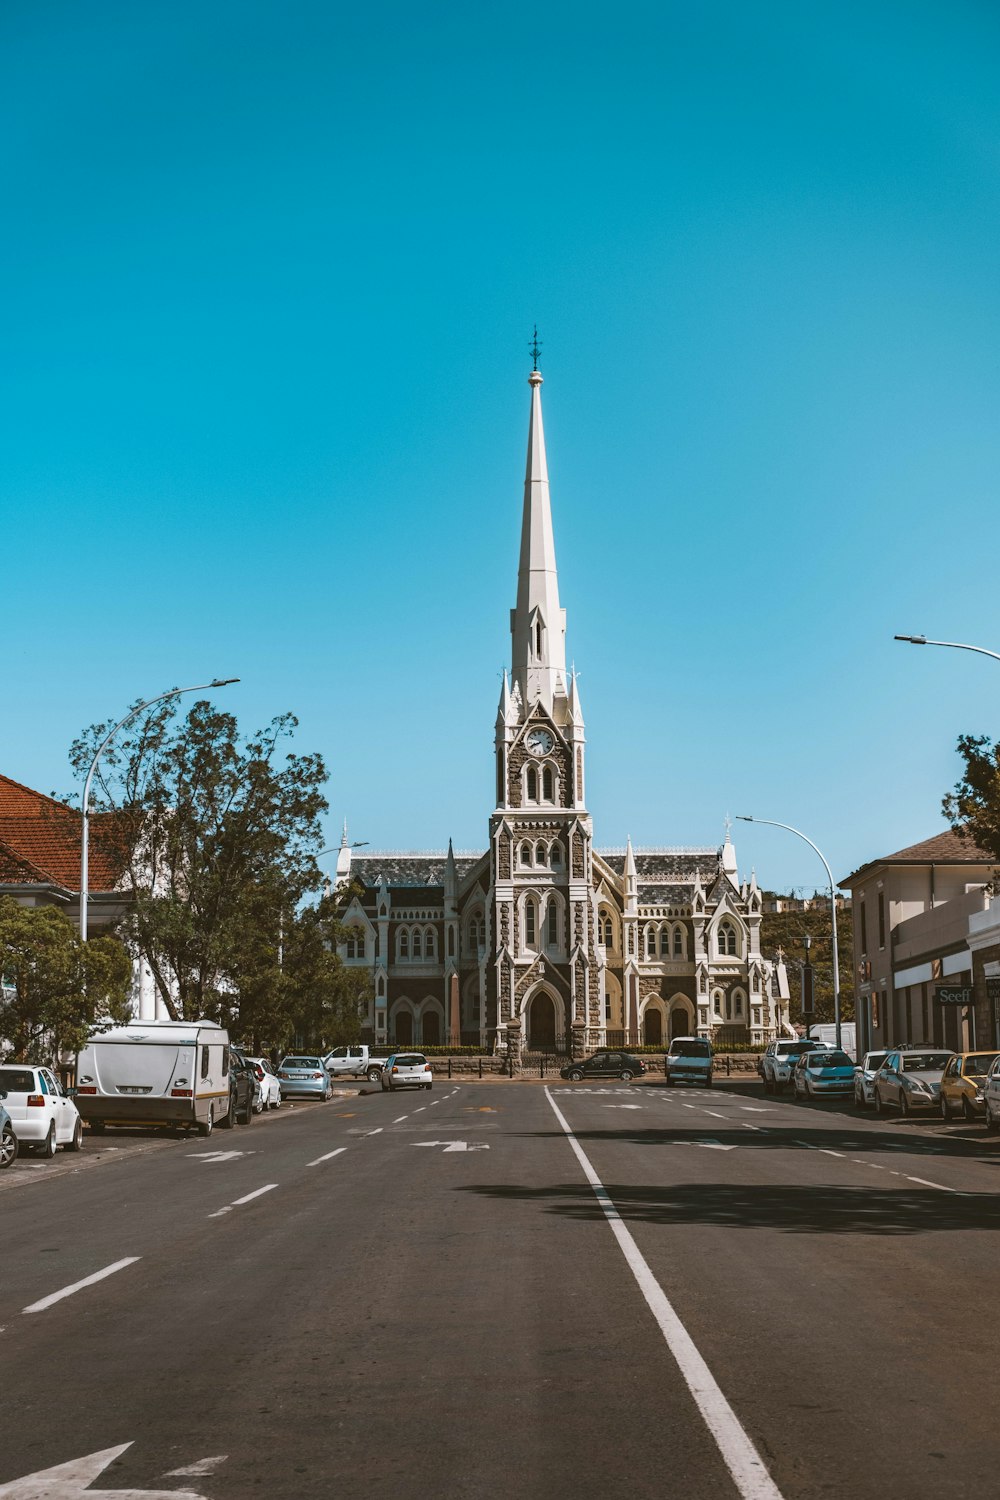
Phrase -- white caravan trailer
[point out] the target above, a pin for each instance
(155, 1073)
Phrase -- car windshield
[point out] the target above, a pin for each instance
(17, 1081)
(690, 1049)
(924, 1062)
(301, 1062)
(831, 1060)
(874, 1060)
(979, 1065)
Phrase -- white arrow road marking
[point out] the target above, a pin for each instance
(328, 1157)
(218, 1155)
(66, 1481)
(197, 1470)
(77, 1286)
(454, 1145)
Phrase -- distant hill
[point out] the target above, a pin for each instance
(786, 930)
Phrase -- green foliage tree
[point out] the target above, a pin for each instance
(54, 987)
(787, 929)
(217, 839)
(973, 808)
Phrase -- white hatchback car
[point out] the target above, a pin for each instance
(41, 1114)
(406, 1070)
(269, 1094)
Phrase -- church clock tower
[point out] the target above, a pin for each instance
(544, 984)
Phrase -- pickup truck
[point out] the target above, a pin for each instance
(357, 1061)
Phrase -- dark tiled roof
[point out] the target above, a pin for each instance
(414, 870)
(664, 895)
(944, 848)
(657, 867)
(46, 834)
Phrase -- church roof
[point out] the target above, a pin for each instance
(412, 868)
(659, 867)
(664, 895)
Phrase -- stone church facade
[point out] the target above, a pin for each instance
(542, 942)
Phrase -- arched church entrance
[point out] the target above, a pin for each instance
(652, 1027)
(680, 1022)
(404, 1029)
(542, 1023)
(430, 1026)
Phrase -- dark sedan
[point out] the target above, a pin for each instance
(605, 1064)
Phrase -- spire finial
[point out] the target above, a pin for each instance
(534, 349)
(729, 826)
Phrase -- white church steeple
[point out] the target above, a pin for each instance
(538, 624)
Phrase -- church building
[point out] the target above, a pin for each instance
(541, 942)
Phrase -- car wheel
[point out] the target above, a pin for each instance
(76, 1144)
(626, 1075)
(8, 1148)
(945, 1111)
(373, 1075)
(48, 1146)
(768, 1085)
(428, 1085)
(97, 1126)
(879, 1106)
(574, 1075)
(670, 1081)
(228, 1120)
(904, 1106)
(205, 1126)
(248, 1112)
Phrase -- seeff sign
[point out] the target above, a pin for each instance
(954, 994)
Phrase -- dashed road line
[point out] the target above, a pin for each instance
(248, 1198)
(77, 1286)
(401, 1119)
(924, 1183)
(328, 1157)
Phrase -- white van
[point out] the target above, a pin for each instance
(155, 1073)
(826, 1033)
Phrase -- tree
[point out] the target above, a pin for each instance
(786, 930)
(217, 839)
(54, 986)
(973, 808)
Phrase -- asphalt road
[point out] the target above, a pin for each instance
(503, 1288)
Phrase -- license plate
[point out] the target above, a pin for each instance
(131, 1088)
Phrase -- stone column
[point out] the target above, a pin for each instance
(578, 1040)
(514, 1040)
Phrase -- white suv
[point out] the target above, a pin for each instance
(775, 1067)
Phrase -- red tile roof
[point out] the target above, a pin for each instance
(40, 835)
(948, 848)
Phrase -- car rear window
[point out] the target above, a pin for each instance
(410, 1060)
(831, 1060)
(301, 1062)
(795, 1049)
(690, 1049)
(17, 1081)
(924, 1062)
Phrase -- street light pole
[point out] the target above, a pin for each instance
(85, 832)
(921, 640)
(746, 818)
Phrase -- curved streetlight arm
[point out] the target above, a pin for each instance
(771, 823)
(921, 640)
(85, 834)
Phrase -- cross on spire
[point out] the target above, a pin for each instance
(534, 348)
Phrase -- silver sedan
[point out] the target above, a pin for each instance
(910, 1080)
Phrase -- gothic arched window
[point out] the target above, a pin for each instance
(678, 942)
(430, 943)
(555, 855)
(606, 928)
(650, 942)
(540, 856)
(727, 939)
(524, 854)
(532, 780)
(552, 925)
(664, 942)
(404, 943)
(417, 947)
(548, 785)
(530, 922)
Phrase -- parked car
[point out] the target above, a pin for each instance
(359, 1061)
(775, 1067)
(304, 1076)
(269, 1088)
(406, 1070)
(822, 1073)
(689, 1060)
(910, 1080)
(864, 1078)
(8, 1140)
(243, 1088)
(963, 1084)
(42, 1115)
(605, 1064)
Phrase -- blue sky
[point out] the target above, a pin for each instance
(270, 275)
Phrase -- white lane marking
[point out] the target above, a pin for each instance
(77, 1286)
(433, 1102)
(257, 1192)
(621, 1106)
(197, 1470)
(734, 1443)
(709, 1145)
(328, 1157)
(940, 1186)
(747, 1126)
(378, 1131)
(714, 1113)
(454, 1145)
(420, 1110)
(824, 1151)
(237, 1202)
(76, 1477)
(217, 1155)
(401, 1119)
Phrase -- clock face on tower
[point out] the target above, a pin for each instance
(539, 742)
